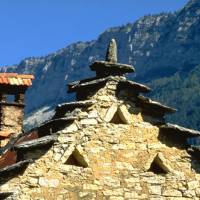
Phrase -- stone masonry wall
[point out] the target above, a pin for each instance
(12, 118)
(116, 159)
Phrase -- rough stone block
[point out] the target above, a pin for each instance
(104, 98)
(116, 198)
(111, 182)
(88, 121)
(131, 182)
(91, 187)
(155, 189)
(124, 114)
(33, 181)
(71, 128)
(93, 114)
(114, 192)
(131, 195)
(193, 185)
(110, 112)
(48, 182)
(189, 193)
(172, 193)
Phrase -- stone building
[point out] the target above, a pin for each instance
(12, 89)
(111, 144)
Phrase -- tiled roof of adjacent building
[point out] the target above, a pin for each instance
(16, 79)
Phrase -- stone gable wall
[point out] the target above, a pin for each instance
(116, 159)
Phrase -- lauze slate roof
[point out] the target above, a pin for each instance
(45, 133)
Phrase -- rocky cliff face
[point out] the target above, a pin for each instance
(164, 49)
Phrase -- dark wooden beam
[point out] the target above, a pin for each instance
(12, 89)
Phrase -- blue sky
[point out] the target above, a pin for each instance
(39, 27)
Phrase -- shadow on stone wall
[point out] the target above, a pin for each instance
(173, 139)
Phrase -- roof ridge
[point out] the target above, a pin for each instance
(16, 75)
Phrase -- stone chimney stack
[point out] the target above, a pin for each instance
(12, 91)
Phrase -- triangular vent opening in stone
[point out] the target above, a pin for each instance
(118, 115)
(158, 166)
(118, 118)
(76, 159)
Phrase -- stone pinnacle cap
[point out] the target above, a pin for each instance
(111, 67)
(111, 55)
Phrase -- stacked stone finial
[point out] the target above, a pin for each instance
(111, 55)
(111, 67)
(112, 71)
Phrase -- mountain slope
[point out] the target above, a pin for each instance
(183, 92)
(164, 49)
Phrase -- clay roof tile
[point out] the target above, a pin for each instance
(25, 81)
(16, 79)
(4, 80)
